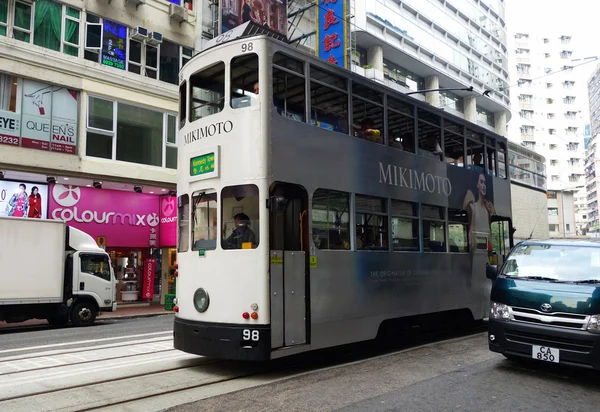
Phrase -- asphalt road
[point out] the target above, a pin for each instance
(454, 375)
(37, 336)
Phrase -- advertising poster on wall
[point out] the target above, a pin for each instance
(332, 30)
(64, 120)
(114, 45)
(36, 111)
(269, 13)
(10, 128)
(22, 199)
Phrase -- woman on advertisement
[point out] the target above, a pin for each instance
(35, 204)
(480, 211)
(18, 205)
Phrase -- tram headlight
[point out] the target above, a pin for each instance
(201, 300)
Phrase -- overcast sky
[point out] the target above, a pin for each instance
(578, 18)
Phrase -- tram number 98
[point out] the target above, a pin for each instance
(247, 47)
(250, 335)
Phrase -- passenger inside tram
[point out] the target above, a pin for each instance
(368, 132)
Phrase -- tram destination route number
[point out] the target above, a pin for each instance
(252, 335)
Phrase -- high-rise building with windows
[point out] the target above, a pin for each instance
(592, 161)
(88, 113)
(547, 104)
(415, 45)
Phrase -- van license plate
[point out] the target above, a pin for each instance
(544, 353)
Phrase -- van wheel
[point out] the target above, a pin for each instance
(84, 314)
(58, 321)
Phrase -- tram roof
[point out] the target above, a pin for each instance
(253, 30)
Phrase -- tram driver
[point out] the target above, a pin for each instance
(241, 235)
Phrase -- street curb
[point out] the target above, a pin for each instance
(141, 315)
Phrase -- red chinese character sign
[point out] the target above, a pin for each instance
(332, 30)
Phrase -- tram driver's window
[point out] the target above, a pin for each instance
(183, 221)
(331, 220)
(207, 92)
(240, 217)
(244, 81)
(371, 223)
(204, 220)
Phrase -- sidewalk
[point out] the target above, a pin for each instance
(125, 312)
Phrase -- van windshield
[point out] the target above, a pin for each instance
(554, 262)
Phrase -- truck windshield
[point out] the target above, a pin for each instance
(554, 262)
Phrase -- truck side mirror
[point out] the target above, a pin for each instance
(491, 272)
(277, 203)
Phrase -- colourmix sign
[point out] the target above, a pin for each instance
(127, 219)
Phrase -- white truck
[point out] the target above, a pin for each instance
(51, 271)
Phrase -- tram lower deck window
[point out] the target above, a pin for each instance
(240, 217)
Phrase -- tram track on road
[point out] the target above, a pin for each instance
(166, 377)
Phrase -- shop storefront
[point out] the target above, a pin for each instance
(138, 230)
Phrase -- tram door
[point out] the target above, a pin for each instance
(502, 239)
(289, 280)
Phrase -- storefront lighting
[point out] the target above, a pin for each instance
(51, 180)
(98, 185)
(137, 189)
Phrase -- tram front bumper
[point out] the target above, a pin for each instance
(223, 340)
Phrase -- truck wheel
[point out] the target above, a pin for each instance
(84, 314)
(59, 320)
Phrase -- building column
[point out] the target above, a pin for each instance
(375, 57)
(470, 106)
(500, 123)
(433, 98)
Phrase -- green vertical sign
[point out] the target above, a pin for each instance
(200, 165)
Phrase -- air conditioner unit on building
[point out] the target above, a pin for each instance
(154, 38)
(136, 3)
(178, 13)
(139, 33)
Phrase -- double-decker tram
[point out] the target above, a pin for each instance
(316, 206)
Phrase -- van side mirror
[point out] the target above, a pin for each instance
(277, 203)
(491, 272)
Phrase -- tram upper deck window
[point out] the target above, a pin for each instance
(207, 91)
(401, 125)
(502, 160)
(240, 217)
(244, 81)
(371, 223)
(331, 220)
(429, 133)
(182, 104)
(329, 100)
(475, 154)
(204, 218)
(367, 113)
(491, 156)
(289, 93)
(454, 139)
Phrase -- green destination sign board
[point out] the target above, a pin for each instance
(202, 164)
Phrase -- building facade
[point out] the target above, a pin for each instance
(418, 45)
(88, 114)
(528, 193)
(592, 160)
(548, 119)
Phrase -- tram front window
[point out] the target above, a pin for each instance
(204, 217)
(239, 213)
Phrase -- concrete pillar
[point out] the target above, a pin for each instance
(375, 57)
(500, 123)
(470, 109)
(433, 98)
